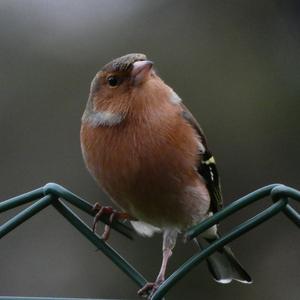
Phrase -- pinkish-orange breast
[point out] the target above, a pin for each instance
(144, 165)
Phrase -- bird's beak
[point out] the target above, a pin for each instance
(141, 70)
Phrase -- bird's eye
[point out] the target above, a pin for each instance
(113, 81)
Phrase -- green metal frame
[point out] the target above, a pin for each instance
(56, 195)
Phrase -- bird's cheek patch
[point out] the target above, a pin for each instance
(104, 118)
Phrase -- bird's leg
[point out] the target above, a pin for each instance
(113, 215)
(169, 241)
(150, 287)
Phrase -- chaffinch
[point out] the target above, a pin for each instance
(149, 154)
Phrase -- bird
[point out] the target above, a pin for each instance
(148, 153)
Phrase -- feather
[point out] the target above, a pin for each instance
(206, 166)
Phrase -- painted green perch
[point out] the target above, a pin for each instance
(55, 195)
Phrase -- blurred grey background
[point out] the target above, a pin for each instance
(236, 65)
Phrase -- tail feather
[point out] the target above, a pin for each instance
(238, 272)
(225, 267)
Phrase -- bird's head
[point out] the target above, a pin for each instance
(114, 86)
(128, 83)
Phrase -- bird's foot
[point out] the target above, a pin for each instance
(149, 289)
(112, 214)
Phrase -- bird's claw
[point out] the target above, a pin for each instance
(149, 289)
(146, 290)
(112, 213)
(103, 210)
